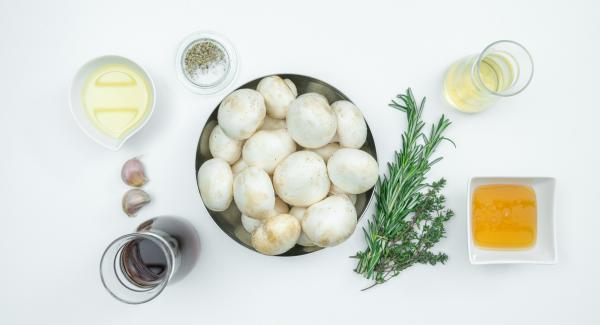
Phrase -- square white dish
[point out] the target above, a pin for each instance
(544, 250)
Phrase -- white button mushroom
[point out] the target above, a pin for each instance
(278, 95)
(266, 149)
(241, 113)
(311, 121)
(224, 147)
(272, 124)
(353, 171)
(238, 167)
(326, 151)
(215, 182)
(276, 235)
(280, 206)
(301, 179)
(331, 221)
(334, 190)
(299, 213)
(250, 224)
(205, 138)
(352, 128)
(253, 193)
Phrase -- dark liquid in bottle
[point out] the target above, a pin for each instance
(144, 262)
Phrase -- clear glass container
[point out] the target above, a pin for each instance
(220, 68)
(135, 268)
(474, 83)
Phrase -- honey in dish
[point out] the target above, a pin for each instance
(504, 216)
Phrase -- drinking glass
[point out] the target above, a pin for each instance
(503, 69)
(135, 268)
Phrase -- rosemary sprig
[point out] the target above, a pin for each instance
(410, 213)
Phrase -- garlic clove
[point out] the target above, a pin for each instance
(133, 173)
(134, 200)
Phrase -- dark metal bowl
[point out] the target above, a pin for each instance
(230, 220)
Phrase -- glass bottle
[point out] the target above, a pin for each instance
(135, 268)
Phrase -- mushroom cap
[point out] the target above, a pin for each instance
(205, 138)
(311, 121)
(326, 151)
(224, 147)
(276, 235)
(301, 179)
(272, 124)
(253, 193)
(266, 149)
(331, 221)
(278, 95)
(215, 181)
(250, 224)
(352, 171)
(299, 213)
(280, 206)
(238, 167)
(352, 128)
(241, 113)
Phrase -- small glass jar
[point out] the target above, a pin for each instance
(206, 63)
(474, 83)
(135, 268)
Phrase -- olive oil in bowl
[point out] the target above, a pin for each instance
(112, 98)
(116, 98)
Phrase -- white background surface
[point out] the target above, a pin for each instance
(60, 192)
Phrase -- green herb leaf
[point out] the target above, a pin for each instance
(410, 213)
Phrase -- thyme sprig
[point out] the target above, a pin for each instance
(410, 213)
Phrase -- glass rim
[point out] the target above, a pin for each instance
(482, 54)
(230, 51)
(122, 241)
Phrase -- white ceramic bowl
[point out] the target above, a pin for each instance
(544, 250)
(78, 110)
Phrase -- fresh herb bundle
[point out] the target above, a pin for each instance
(410, 213)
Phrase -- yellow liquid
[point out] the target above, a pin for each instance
(496, 72)
(504, 216)
(116, 99)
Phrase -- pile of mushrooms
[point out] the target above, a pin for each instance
(291, 164)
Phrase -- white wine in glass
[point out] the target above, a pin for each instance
(474, 83)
